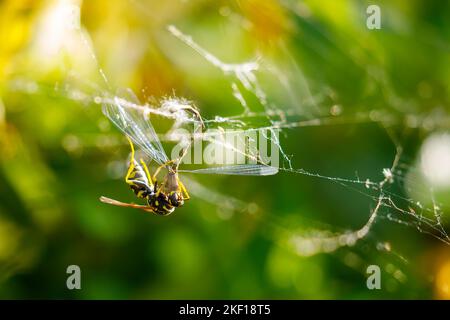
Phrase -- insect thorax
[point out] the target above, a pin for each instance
(160, 204)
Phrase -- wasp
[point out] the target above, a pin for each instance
(164, 196)
(162, 199)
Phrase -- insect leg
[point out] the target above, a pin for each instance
(159, 169)
(132, 164)
(196, 113)
(160, 188)
(183, 190)
(147, 173)
(156, 172)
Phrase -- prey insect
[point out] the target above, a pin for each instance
(162, 196)
(161, 199)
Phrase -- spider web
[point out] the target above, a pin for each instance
(388, 205)
(384, 200)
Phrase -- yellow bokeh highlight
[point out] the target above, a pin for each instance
(442, 283)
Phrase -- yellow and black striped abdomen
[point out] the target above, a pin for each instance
(138, 180)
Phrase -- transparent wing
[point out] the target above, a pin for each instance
(238, 170)
(130, 118)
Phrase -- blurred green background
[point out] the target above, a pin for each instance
(59, 154)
